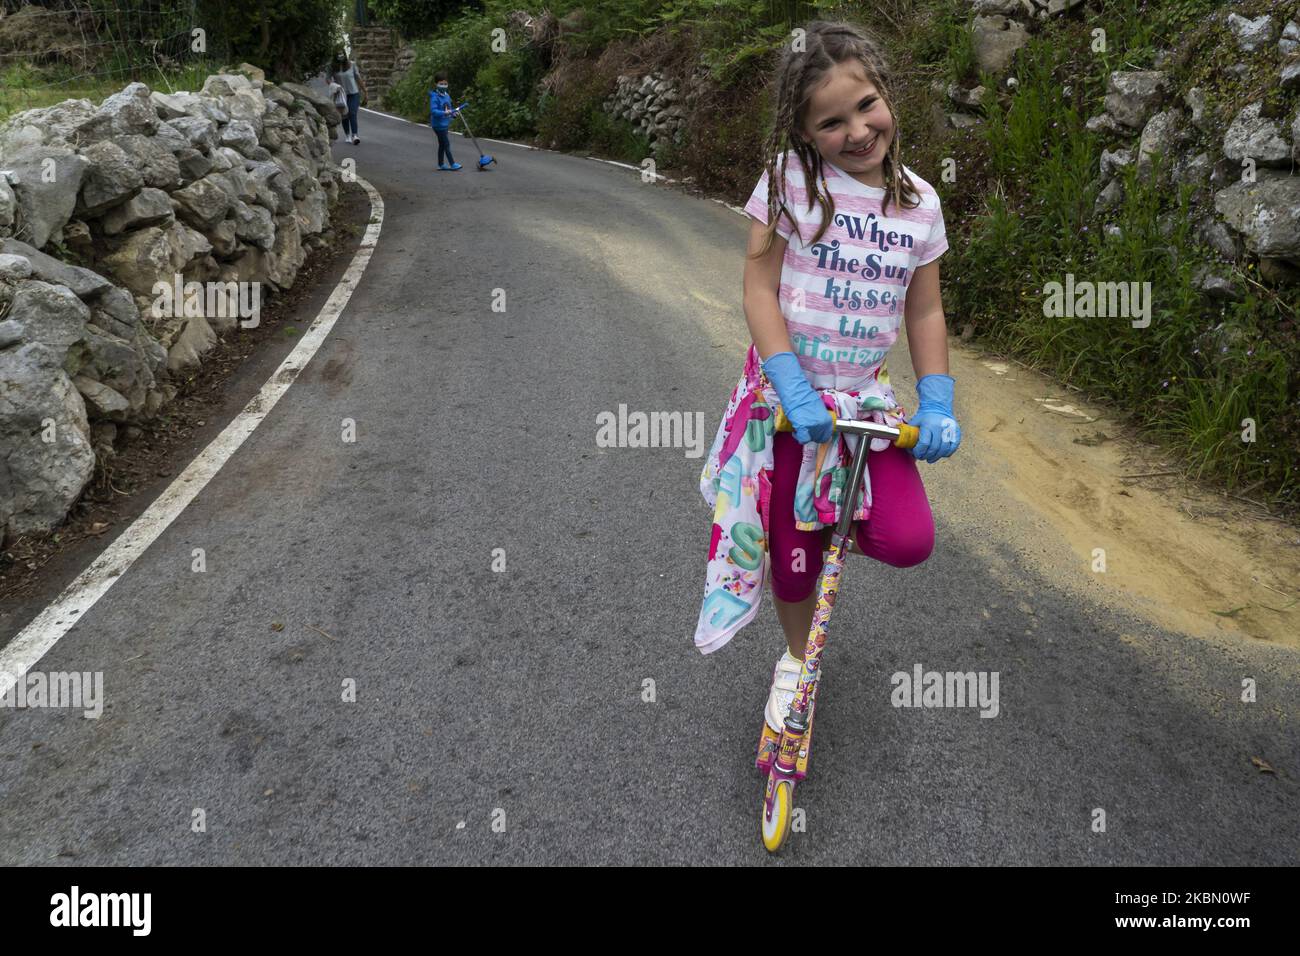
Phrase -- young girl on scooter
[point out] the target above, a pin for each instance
(842, 251)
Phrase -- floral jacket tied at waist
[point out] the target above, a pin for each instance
(737, 482)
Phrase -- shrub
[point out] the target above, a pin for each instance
(500, 86)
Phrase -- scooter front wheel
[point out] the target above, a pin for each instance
(775, 818)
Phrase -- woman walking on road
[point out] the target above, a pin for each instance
(348, 76)
(843, 245)
(440, 114)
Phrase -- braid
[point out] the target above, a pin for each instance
(828, 44)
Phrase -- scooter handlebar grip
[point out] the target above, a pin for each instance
(783, 423)
(908, 435)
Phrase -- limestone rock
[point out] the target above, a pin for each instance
(174, 105)
(101, 400)
(1252, 35)
(48, 315)
(84, 283)
(156, 253)
(996, 40)
(127, 112)
(193, 164)
(157, 164)
(43, 479)
(1256, 137)
(1266, 212)
(111, 178)
(151, 207)
(203, 203)
(254, 224)
(195, 340)
(1162, 135)
(45, 182)
(1134, 97)
(14, 268)
(199, 131)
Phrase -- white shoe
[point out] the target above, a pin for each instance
(356, 140)
(785, 682)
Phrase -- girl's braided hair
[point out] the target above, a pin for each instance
(799, 73)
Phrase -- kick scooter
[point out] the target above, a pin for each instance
(484, 159)
(784, 757)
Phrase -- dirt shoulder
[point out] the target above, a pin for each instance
(1064, 479)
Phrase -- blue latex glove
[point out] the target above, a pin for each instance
(940, 433)
(808, 415)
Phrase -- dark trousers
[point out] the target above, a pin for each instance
(350, 118)
(444, 145)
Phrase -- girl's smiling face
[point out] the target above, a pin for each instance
(849, 124)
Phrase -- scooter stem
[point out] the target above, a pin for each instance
(850, 503)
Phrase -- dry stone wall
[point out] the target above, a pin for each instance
(132, 233)
(654, 105)
(1239, 158)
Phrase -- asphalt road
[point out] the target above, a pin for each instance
(514, 697)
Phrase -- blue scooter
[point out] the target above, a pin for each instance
(484, 159)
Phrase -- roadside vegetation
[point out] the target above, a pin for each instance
(94, 48)
(1019, 186)
(1020, 212)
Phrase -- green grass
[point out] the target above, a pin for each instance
(946, 40)
(23, 87)
(1178, 381)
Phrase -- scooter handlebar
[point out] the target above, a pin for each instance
(903, 435)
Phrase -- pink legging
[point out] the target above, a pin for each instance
(899, 530)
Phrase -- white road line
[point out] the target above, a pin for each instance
(41, 634)
(499, 142)
(525, 146)
(36, 639)
(610, 162)
(366, 109)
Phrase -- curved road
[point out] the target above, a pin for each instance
(499, 714)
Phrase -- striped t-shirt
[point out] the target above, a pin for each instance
(843, 296)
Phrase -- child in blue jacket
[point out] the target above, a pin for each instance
(440, 114)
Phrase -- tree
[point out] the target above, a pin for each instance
(289, 39)
(417, 18)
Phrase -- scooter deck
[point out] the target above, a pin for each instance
(769, 742)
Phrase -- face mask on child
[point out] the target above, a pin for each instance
(442, 86)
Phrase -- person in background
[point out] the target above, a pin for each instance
(440, 114)
(348, 76)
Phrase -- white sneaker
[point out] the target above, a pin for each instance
(785, 682)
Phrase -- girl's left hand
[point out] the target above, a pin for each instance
(940, 433)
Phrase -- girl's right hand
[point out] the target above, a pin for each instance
(808, 414)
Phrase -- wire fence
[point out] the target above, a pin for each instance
(58, 48)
